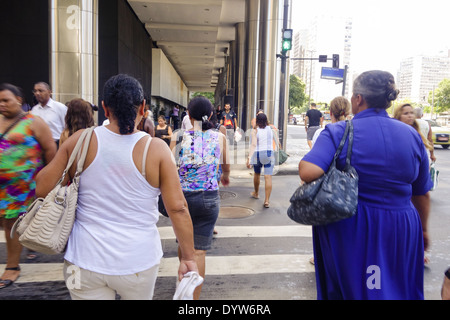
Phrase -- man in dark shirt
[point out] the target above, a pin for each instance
(229, 120)
(313, 121)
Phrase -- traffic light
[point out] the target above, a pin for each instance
(286, 44)
(335, 61)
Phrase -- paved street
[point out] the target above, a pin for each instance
(259, 253)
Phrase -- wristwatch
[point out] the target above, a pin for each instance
(447, 273)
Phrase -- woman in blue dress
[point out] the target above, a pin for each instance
(379, 252)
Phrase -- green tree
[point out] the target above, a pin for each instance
(297, 96)
(208, 95)
(441, 97)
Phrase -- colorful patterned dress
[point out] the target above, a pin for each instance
(21, 159)
(199, 161)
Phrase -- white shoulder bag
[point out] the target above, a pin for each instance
(47, 224)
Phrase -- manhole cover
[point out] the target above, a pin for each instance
(235, 212)
(226, 195)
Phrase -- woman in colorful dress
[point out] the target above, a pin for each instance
(379, 252)
(26, 145)
(199, 154)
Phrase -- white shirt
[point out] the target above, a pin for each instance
(115, 230)
(186, 124)
(54, 114)
(316, 135)
(424, 127)
(264, 139)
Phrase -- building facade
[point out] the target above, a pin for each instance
(172, 47)
(419, 75)
(326, 35)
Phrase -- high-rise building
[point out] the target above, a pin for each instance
(298, 67)
(419, 75)
(326, 35)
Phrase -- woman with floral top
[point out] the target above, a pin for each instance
(26, 146)
(199, 154)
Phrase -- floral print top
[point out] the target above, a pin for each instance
(20, 161)
(199, 160)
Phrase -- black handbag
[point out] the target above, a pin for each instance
(332, 197)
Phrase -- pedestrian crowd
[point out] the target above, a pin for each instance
(133, 168)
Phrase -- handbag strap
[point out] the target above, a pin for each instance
(341, 144)
(87, 140)
(86, 137)
(350, 144)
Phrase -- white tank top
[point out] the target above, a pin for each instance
(423, 127)
(264, 139)
(115, 229)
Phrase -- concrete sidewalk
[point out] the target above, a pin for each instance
(295, 148)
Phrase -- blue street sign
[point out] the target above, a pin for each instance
(332, 74)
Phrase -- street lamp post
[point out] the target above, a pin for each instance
(310, 76)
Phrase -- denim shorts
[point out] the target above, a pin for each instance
(263, 159)
(204, 208)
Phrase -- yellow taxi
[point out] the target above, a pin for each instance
(440, 134)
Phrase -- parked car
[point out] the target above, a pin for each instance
(326, 117)
(440, 134)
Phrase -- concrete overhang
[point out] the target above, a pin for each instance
(193, 34)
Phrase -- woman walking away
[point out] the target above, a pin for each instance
(26, 145)
(340, 108)
(115, 246)
(78, 116)
(262, 155)
(378, 253)
(201, 151)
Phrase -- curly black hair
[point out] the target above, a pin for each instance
(123, 95)
(200, 109)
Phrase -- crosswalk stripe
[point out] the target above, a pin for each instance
(242, 265)
(215, 265)
(167, 233)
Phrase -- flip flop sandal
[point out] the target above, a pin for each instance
(6, 283)
(253, 195)
(266, 205)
